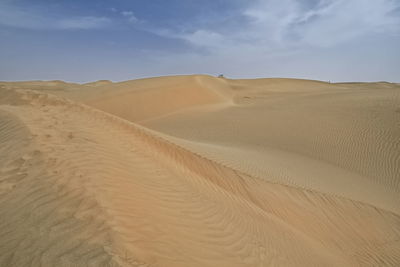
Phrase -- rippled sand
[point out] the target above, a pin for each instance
(199, 171)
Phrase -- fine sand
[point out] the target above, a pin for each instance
(199, 171)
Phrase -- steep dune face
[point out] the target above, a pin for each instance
(86, 187)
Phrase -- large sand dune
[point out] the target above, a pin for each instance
(199, 171)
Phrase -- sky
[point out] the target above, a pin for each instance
(82, 41)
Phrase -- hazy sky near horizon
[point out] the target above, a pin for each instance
(74, 40)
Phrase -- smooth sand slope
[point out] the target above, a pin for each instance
(199, 171)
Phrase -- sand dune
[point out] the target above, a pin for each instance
(199, 171)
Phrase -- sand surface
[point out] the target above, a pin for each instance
(199, 171)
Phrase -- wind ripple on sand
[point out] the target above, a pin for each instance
(97, 190)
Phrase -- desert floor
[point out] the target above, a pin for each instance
(199, 171)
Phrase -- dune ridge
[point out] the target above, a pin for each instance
(114, 193)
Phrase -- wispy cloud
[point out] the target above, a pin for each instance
(130, 16)
(302, 38)
(127, 13)
(20, 17)
(322, 39)
(288, 23)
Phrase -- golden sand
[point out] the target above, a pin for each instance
(199, 171)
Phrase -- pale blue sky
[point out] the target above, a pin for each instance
(74, 40)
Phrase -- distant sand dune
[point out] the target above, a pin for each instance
(227, 176)
(143, 99)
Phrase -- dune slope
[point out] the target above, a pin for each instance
(341, 139)
(86, 187)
